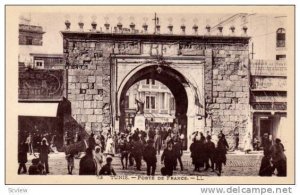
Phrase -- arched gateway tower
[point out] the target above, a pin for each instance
(207, 75)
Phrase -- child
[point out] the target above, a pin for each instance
(107, 169)
(70, 159)
(34, 169)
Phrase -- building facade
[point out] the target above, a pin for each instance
(159, 103)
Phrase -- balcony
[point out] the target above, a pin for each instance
(268, 68)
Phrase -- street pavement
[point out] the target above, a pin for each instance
(238, 164)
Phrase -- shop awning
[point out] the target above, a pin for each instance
(160, 118)
(38, 109)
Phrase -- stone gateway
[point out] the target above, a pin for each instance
(208, 76)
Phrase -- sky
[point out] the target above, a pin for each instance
(53, 23)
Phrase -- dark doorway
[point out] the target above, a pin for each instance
(265, 126)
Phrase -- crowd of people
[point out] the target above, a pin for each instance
(137, 146)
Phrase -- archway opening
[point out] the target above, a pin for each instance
(153, 76)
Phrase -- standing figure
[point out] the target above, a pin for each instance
(168, 158)
(194, 148)
(29, 141)
(210, 153)
(266, 167)
(87, 164)
(236, 138)
(178, 152)
(278, 157)
(123, 146)
(107, 169)
(137, 151)
(266, 143)
(98, 159)
(149, 156)
(92, 141)
(44, 151)
(220, 155)
(70, 161)
(22, 157)
(157, 141)
(248, 145)
(109, 150)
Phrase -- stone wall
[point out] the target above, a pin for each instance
(88, 66)
(229, 106)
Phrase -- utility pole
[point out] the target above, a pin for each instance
(156, 21)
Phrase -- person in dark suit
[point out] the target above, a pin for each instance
(220, 157)
(266, 167)
(178, 152)
(87, 165)
(168, 158)
(210, 152)
(44, 152)
(137, 151)
(22, 157)
(149, 156)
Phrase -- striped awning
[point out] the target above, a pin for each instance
(159, 118)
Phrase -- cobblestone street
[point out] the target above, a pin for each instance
(238, 164)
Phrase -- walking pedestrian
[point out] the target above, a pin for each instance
(278, 158)
(221, 151)
(109, 150)
(178, 152)
(210, 152)
(266, 167)
(168, 158)
(123, 146)
(44, 152)
(137, 151)
(87, 165)
(149, 156)
(70, 157)
(194, 148)
(158, 141)
(98, 159)
(22, 157)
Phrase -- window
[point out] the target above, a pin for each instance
(29, 40)
(153, 81)
(280, 57)
(172, 103)
(147, 102)
(148, 81)
(162, 101)
(39, 64)
(280, 37)
(150, 102)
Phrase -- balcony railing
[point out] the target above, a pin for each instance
(268, 68)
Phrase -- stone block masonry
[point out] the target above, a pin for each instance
(88, 65)
(229, 106)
